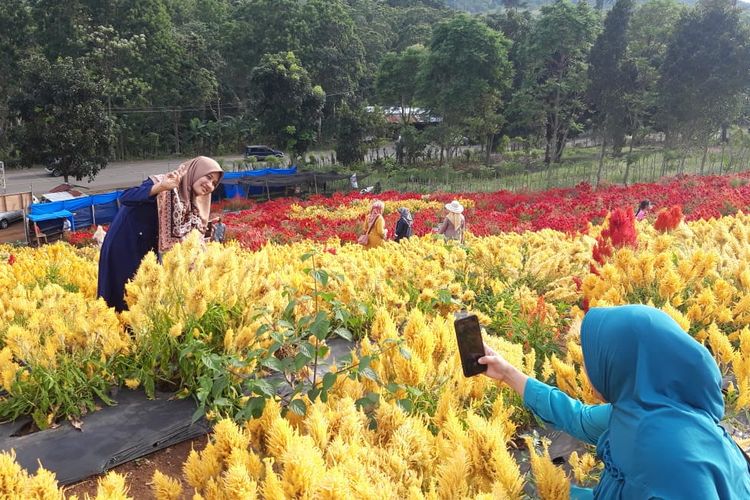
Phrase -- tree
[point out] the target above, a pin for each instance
(261, 27)
(649, 34)
(373, 22)
(356, 127)
(333, 53)
(611, 78)
(284, 101)
(705, 73)
(556, 66)
(413, 25)
(62, 116)
(465, 74)
(397, 81)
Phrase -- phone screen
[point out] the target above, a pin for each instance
(470, 345)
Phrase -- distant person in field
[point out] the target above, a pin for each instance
(403, 226)
(220, 230)
(66, 228)
(643, 209)
(153, 217)
(454, 224)
(375, 231)
(99, 236)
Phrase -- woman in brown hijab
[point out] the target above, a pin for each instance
(153, 217)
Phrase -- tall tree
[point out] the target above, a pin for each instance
(374, 27)
(611, 78)
(650, 31)
(262, 27)
(465, 73)
(556, 62)
(286, 104)
(333, 53)
(705, 73)
(62, 116)
(397, 81)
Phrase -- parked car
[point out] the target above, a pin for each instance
(53, 168)
(262, 152)
(7, 218)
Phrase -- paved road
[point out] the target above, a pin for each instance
(117, 174)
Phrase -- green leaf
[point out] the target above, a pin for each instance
(307, 349)
(364, 361)
(344, 333)
(313, 393)
(307, 256)
(406, 405)
(321, 326)
(300, 360)
(328, 380)
(405, 353)
(321, 275)
(261, 387)
(198, 414)
(369, 374)
(273, 363)
(298, 406)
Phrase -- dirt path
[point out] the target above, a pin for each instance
(140, 471)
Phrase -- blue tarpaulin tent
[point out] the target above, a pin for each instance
(82, 212)
(232, 188)
(102, 208)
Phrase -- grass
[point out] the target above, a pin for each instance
(578, 165)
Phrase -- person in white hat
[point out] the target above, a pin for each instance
(454, 225)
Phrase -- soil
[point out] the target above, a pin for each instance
(139, 472)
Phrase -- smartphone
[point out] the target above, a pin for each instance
(470, 345)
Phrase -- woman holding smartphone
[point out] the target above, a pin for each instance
(658, 433)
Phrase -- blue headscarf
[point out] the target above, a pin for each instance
(664, 438)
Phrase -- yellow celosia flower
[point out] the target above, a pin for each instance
(165, 488)
(550, 480)
(132, 383)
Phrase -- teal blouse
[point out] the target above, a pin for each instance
(661, 435)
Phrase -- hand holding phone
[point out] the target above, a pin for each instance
(470, 344)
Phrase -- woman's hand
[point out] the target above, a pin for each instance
(172, 179)
(499, 369)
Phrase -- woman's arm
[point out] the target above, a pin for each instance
(582, 421)
(380, 227)
(442, 227)
(585, 422)
(137, 195)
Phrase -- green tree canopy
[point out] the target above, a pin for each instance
(62, 117)
(285, 103)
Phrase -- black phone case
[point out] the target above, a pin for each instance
(470, 366)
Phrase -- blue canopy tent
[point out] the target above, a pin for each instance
(50, 223)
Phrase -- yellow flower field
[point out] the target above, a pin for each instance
(399, 420)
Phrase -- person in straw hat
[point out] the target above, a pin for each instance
(153, 217)
(454, 225)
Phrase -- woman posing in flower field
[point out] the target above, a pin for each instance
(153, 217)
(375, 232)
(454, 225)
(403, 225)
(659, 435)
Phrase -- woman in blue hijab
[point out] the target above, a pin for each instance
(659, 434)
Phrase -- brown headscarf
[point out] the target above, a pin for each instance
(179, 210)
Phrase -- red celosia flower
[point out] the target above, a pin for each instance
(668, 219)
(11, 259)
